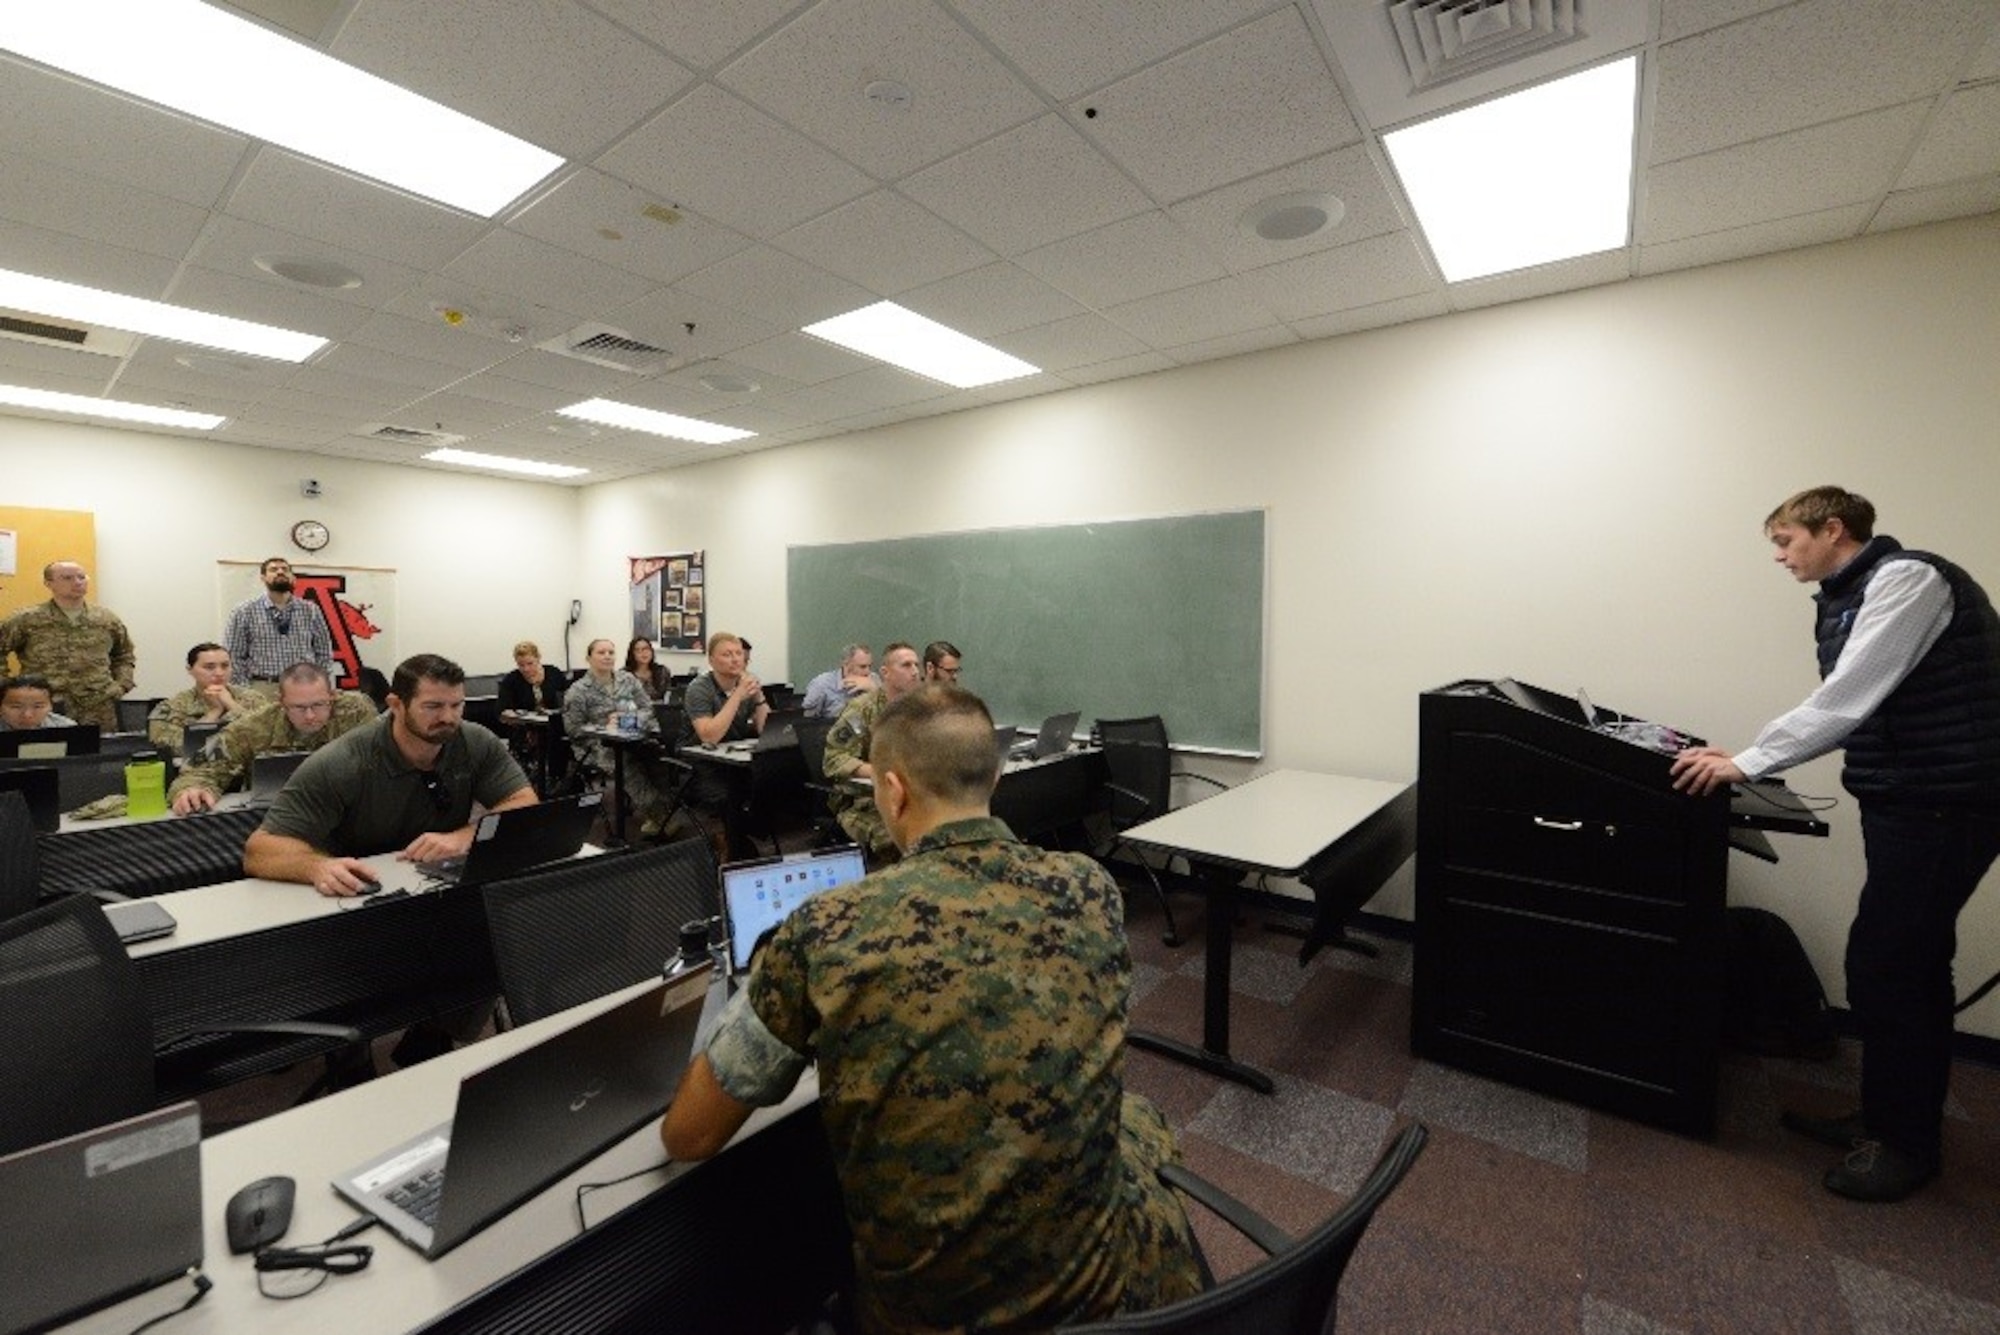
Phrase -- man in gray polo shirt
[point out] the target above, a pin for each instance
(405, 784)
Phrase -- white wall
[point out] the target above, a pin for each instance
(1569, 491)
(481, 562)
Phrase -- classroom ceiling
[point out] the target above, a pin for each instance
(1066, 179)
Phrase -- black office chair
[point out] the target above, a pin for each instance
(19, 869)
(1296, 1291)
(150, 857)
(811, 733)
(134, 711)
(779, 800)
(1140, 778)
(590, 926)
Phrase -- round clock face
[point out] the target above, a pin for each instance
(310, 535)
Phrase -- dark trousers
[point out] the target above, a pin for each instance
(1923, 864)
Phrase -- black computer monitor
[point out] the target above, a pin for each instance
(78, 739)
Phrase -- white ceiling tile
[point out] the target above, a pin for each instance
(1035, 184)
(214, 376)
(1400, 311)
(62, 120)
(662, 318)
(1985, 65)
(21, 357)
(42, 194)
(78, 259)
(1078, 341)
(233, 246)
(1006, 391)
(990, 301)
(1684, 18)
(1119, 368)
(813, 75)
(433, 340)
(1737, 243)
(603, 218)
(1207, 310)
(549, 276)
(1812, 62)
(702, 36)
(414, 374)
(889, 387)
(774, 286)
(267, 302)
(1963, 140)
(1802, 172)
(508, 320)
(309, 199)
(1250, 100)
(1215, 219)
(1906, 208)
(1542, 280)
(347, 403)
(339, 387)
(828, 402)
(554, 74)
(576, 378)
(800, 358)
(1379, 269)
(687, 382)
(1232, 345)
(1132, 258)
(728, 161)
(849, 242)
(1072, 47)
(457, 414)
(493, 387)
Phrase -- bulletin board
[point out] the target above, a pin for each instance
(39, 537)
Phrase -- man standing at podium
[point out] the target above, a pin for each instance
(1909, 661)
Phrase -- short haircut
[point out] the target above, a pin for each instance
(49, 570)
(1810, 509)
(848, 652)
(270, 561)
(424, 667)
(940, 739)
(528, 647)
(893, 645)
(305, 672)
(721, 638)
(27, 681)
(938, 650)
(206, 646)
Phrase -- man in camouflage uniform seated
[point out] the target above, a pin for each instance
(307, 715)
(966, 1011)
(84, 651)
(847, 751)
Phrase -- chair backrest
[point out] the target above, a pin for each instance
(79, 1049)
(149, 857)
(1139, 768)
(133, 712)
(1294, 1292)
(672, 719)
(589, 926)
(811, 733)
(19, 871)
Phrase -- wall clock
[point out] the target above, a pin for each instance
(309, 535)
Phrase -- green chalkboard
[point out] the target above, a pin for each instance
(1145, 616)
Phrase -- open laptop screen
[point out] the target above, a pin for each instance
(756, 896)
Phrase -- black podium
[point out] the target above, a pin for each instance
(1570, 904)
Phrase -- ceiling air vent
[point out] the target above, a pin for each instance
(1444, 40)
(24, 327)
(601, 345)
(404, 435)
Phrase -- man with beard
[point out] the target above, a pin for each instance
(405, 784)
(266, 635)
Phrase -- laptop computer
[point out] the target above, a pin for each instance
(270, 771)
(758, 894)
(78, 739)
(528, 1119)
(99, 1216)
(39, 786)
(139, 920)
(1004, 736)
(507, 843)
(195, 737)
(1052, 738)
(781, 728)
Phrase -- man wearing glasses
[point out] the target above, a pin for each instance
(405, 784)
(941, 662)
(307, 715)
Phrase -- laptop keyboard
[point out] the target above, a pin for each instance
(419, 1196)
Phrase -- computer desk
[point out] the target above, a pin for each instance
(750, 1241)
(1042, 797)
(1341, 836)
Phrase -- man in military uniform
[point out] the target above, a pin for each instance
(84, 651)
(966, 1012)
(847, 751)
(209, 700)
(307, 715)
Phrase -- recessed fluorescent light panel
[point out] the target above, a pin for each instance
(136, 315)
(608, 412)
(502, 464)
(1537, 176)
(49, 401)
(205, 62)
(888, 333)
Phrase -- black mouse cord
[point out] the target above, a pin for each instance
(335, 1256)
(202, 1284)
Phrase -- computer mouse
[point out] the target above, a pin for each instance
(259, 1214)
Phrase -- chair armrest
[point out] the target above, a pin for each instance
(1125, 792)
(1239, 1216)
(107, 896)
(1203, 778)
(346, 1033)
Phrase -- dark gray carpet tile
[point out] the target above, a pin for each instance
(1178, 1090)
(1292, 1203)
(1608, 1318)
(1407, 1280)
(1841, 1072)
(1344, 1030)
(1528, 1123)
(1391, 964)
(1757, 1187)
(1145, 977)
(1976, 1090)
(1305, 1129)
(1881, 1303)
(1254, 971)
(1515, 1211)
(1701, 1273)
(1946, 1237)
(1747, 1106)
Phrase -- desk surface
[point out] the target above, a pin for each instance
(1277, 822)
(400, 1290)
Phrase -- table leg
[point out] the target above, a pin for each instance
(1213, 1054)
(615, 824)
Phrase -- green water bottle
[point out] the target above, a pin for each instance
(145, 785)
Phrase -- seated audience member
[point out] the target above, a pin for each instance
(651, 674)
(28, 702)
(965, 1010)
(828, 693)
(209, 700)
(529, 689)
(307, 714)
(847, 754)
(406, 784)
(724, 704)
(594, 700)
(941, 659)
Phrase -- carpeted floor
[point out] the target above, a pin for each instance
(1532, 1216)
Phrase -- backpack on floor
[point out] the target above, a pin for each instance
(1773, 1005)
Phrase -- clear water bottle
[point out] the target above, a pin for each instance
(628, 719)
